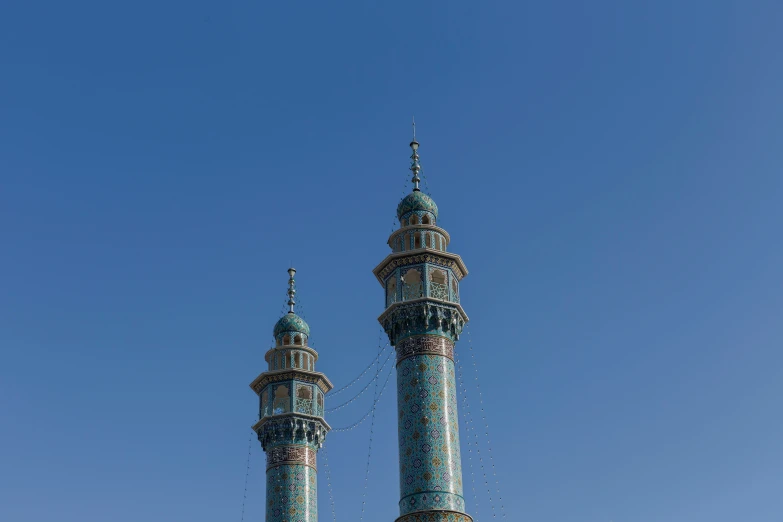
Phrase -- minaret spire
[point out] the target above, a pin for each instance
(291, 290)
(415, 167)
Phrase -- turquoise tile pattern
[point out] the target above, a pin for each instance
(292, 494)
(430, 463)
(423, 328)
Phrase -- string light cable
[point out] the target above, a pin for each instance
(373, 380)
(486, 426)
(247, 474)
(375, 403)
(357, 379)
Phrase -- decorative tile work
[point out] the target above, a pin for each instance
(290, 455)
(432, 500)
(291, 494)
(435, 516)
(429, 257)
(428, 434)
(422, 317)
(291, 323)
(431, 344)
(290, 429)
(269, 377)
(416, 201)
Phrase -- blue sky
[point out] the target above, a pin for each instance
(609, 171)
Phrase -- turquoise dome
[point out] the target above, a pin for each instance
(416, 200)
(291, 322)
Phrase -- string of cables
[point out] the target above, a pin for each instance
(357, 379)
(369, 412)
(374, 379)
(247, 474)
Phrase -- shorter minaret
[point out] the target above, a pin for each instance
(291, 427)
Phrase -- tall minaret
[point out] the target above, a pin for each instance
(423, 319)
(291, 426)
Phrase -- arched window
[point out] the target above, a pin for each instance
(304, 399)
(454, 290)
(417, 241)
(414, 219)
(391, 290)
(286, 340)
(411, 285)
(320, 404)
(407, 243)
(438, 287)
(264, 400)
(426, 240)
(425, 220)
(405, 222)
(298, 340)
(282, 402)
(296, 360)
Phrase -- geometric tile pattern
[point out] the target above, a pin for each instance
(430, 462)
(291, 494)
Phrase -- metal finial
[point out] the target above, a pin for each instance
(291, 291)
(415, 167)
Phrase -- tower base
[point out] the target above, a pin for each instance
(435, 516)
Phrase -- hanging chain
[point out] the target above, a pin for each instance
(486, 426)
(374, 379)
(247, 474)
(333, 393)
(375, 403)
(468, 425)
(329, 482)
(378, 369)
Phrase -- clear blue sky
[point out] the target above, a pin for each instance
(610, 173)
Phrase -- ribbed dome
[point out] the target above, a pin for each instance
(416, 200)
(291, 322)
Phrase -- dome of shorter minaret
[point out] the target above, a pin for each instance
(291, 322)
(416, 200)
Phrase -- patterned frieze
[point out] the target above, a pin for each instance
(401, 259)
(291, 429)
(420, 317)
(266, 378)
(435, 516)
(284, 455)
(424, 344)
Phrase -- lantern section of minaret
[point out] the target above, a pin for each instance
(291, 426)
(424, 319)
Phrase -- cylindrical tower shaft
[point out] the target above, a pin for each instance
(430, 463)
(291, 484)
